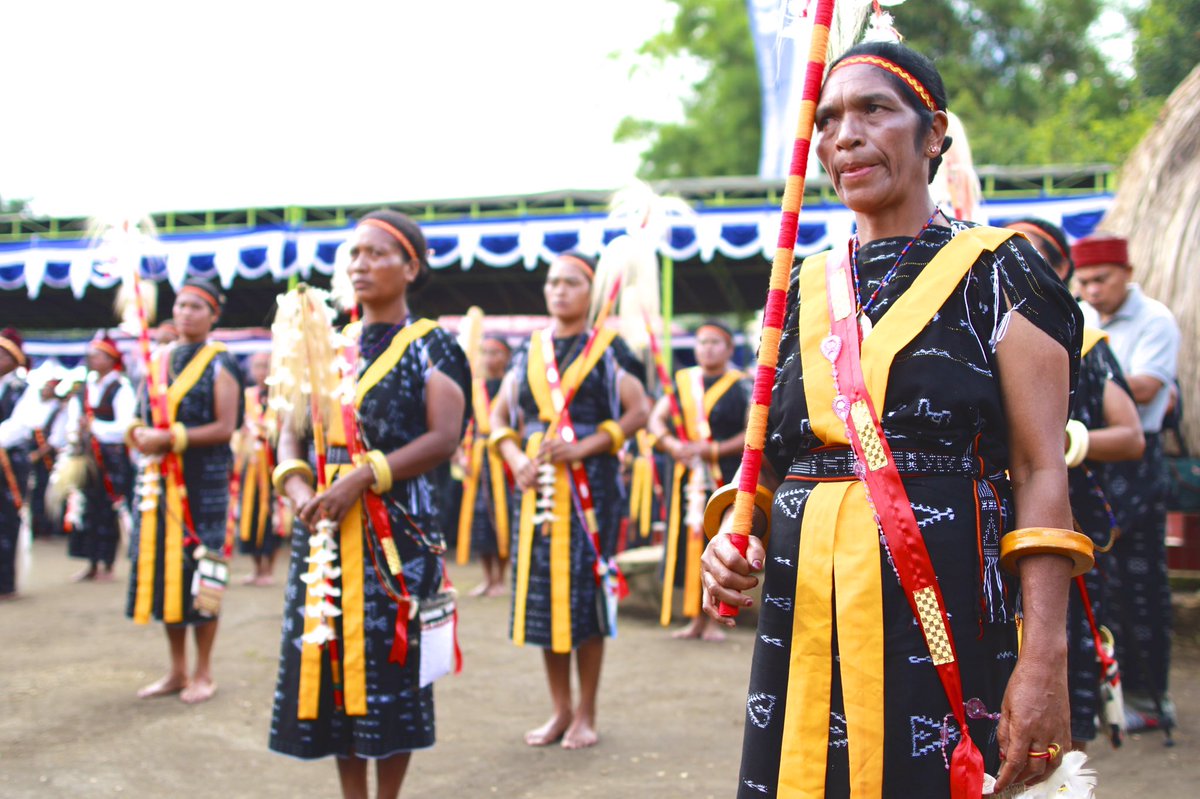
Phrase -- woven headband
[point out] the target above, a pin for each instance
(212, 301)
(395, 233)
(13, 350)
(1041, 233)
(582, 264)
(900, 72)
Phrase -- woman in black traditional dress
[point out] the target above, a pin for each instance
(12, 461)
(255, 459)
(558, 603)
(974, 350)
(1104, 429)
(413, 382)
(204, 398)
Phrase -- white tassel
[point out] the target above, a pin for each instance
(1069, 781)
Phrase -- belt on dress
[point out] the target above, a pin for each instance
(838, 463)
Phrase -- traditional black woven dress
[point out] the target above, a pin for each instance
(399, 713)
(945, 422)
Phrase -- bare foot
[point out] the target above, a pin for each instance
(549, 732)
(10, 596)
(104, 575)
(87, 574)
(197, 691)
(250, 579)
(580, 735)
(165, 686)
(479, 590)
(264, 580)
(713, 635)
(694, 629)
(497, 589)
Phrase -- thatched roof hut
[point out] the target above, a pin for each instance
(1157, 208)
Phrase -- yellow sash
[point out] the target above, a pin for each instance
(684, 381)
(350, 553)
(173, 494)
(1091, 337)
(839, 540)
(572, 377)
(483, 460)
(255, 476)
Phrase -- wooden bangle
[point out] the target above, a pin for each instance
(286, 469)
(1047, 541)
(179, 438)
(1077, 443)
(502, 434)
(724, 497)
(134, 425)
(615, 432)
(382, 471)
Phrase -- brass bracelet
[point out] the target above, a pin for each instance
(134, 425)
(502, 434)
(382, 471)
(1077, 443)
(179, 438)
(286, 469)
(1047, 541)
(615, 432)
(726, 495)
(714, 454)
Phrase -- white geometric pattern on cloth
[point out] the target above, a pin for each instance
(755, 786)
(939, 418)
(784, 561)
(927, 735)
(790, 501)
(759, 708)
(784, 603)
(766, 639)
(932, 515)
(837, 731)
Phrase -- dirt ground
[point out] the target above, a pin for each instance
(670, 717)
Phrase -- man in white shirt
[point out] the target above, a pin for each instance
(1144, 337)
(98, 416)
(12, 456)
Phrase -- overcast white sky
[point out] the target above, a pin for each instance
(133, 106)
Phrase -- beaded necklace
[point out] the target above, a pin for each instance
(863, 309)
(368, 353)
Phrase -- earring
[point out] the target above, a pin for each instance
(933, 149)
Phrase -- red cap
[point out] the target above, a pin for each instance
(1100, 249)
(102, 342)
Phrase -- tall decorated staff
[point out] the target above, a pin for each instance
(748, 493)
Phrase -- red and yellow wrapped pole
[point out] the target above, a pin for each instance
(781, 270)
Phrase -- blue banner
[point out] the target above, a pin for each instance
(776, 57)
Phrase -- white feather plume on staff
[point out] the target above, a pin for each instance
(303, 370)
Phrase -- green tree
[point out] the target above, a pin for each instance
(1029, 83)
(1168, 44)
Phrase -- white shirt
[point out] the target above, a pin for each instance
(124, 408)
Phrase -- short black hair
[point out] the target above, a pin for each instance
(209, 288)
(921, 68)
(412, 231)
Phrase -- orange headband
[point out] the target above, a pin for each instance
(106, 348)
(720, 330)
(875, 61)
(582, 264)
(395, 233)
(14, 350)
(199, 292)
(1041, 233)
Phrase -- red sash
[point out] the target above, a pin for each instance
(894, 513)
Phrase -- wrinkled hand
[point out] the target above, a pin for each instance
(558, 451)
(524, 473)
(688, 452)
(725, 573)
(151, 441)
(1035, 714)
(335, 501)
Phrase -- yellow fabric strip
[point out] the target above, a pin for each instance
(495, 467)
(350, 557)
(264, 497)
(309, 692)
(691, 580)
(805, 745)
(917, 306)
(687, 403)
(190, 375)
(535, 371)
(718, 389)
(173, 553)
(560, 562)
(147, 553)
(859, 600)
(668, 590)
(466, 509)
(1091, 337)
(482, 413)
(635, 486)
(818, 372)
(248, 474)
(525, 533)
(391, 356)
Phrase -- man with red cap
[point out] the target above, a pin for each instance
(1144, 337)
(97, 418)
(12, 456)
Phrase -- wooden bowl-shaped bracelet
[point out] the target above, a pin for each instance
(1047, 541)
